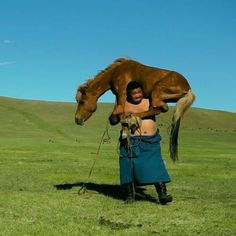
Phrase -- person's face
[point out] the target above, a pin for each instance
(135, 96)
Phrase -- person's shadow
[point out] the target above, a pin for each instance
(111, 190)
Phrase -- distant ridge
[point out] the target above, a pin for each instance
(57, 113)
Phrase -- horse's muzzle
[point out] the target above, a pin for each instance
(79, 121)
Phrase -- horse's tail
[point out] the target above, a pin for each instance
(182, 105)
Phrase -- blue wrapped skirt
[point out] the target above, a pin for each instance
(141, 161)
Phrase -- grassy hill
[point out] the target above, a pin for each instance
(42, 150)
(56, 117)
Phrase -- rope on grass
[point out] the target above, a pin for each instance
(104, 139)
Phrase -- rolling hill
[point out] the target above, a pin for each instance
(26, 116)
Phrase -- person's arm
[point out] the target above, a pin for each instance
(150, 112)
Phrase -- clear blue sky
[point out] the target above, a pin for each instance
(49, 47)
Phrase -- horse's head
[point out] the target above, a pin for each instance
(87, 105)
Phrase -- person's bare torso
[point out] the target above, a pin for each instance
(148, 125)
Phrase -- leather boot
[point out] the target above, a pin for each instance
(162, 193)
(131, 195)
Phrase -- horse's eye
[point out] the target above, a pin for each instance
(81, 102)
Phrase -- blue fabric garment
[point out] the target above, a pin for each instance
(143, 161)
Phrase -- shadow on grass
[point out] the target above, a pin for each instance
(111, 190)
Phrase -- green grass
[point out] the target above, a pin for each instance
(45, 158)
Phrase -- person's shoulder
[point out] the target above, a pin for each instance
(145, 101)
(127, 103)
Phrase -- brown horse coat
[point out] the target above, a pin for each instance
(159, 85)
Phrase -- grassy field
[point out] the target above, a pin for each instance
(45, 159)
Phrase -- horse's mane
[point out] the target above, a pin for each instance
(82, 88)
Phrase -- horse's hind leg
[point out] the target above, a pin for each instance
(162, 93)
(182, 105)
(169, 89)
(184, 99)
(156, 101)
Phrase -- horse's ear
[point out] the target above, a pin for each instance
(78, 95)
(81, 90)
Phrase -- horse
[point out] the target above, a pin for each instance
(161, 86)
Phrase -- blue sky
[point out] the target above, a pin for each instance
(48, 48)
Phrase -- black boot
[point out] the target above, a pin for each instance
(131, 194)
(162, 193)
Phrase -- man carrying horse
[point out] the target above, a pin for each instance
(140, 153)
(160, 85)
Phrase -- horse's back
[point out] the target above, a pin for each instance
(133, 70)
(180, 81)
(147, 76)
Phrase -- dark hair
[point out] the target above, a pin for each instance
(133, 85)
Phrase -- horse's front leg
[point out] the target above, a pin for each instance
(118, 109)
(115, 116)
(120, 100)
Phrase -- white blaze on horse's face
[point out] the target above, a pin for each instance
(87, 105)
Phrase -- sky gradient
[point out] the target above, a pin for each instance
(49, 48)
